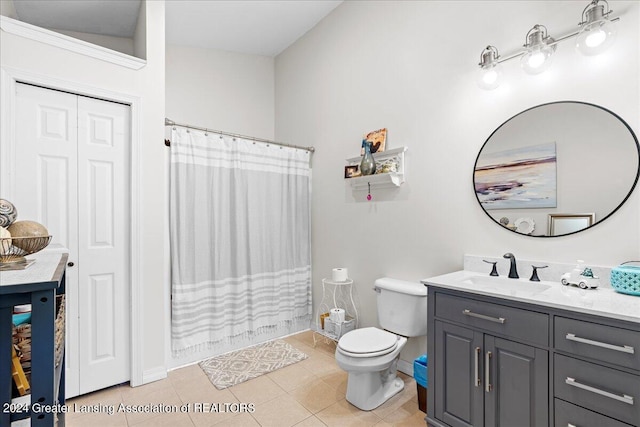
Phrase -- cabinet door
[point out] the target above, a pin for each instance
(458, 384)
(518, 384)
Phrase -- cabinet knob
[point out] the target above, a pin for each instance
(70, 264)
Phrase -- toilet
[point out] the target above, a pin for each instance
(370, 355)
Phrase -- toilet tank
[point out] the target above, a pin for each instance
(402, 306)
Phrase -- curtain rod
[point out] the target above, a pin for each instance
(169, 122)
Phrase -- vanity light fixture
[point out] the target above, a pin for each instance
(539, 50)
(597, 32)
(490, 72)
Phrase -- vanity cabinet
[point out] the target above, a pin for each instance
(499, 362)
(484, 379)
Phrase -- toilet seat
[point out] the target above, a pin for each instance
(367, 342)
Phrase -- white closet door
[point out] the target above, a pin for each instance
(44, 188)
(103, 228)
(72, 174)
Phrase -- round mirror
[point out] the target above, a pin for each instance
(557, 169)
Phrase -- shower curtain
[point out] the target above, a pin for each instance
(240, 239)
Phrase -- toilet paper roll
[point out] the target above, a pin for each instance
(337, 315)
(339, 274)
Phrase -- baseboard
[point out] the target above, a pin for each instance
(154, 374)
(405, 367)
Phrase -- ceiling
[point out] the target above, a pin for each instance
(259, 27)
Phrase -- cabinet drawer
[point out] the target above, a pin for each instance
(604, 390)
(512, 322)
(567, 415)
(606, 343)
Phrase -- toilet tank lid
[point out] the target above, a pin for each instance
(401, 286)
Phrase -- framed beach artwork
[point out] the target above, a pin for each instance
(519, 178)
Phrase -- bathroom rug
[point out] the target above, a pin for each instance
(241, 365)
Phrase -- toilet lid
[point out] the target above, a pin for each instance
(367, 341)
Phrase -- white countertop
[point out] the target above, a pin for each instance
(602, 301)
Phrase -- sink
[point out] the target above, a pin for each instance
(516, 287)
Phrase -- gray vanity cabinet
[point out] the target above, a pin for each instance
(483, 380)
(497, 362)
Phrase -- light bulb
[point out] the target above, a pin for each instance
(490, 76)
(536, 60)
(596, 37)
(539, 50)
(490, 72)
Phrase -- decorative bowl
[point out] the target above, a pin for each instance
(14, 249)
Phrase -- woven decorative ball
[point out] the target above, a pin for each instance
(26, 229)
(8, 213)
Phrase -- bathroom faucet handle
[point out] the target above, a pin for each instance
(534, 274)
(494, 271)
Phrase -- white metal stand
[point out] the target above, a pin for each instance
(335, 295)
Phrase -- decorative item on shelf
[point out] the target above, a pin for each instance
(368, 163)
(8, 213)
(580, 276)
(378, 140)
(387, 165)
(351, 171)
(22, 238)
(596, 34)
(369, 197)
(626, 278)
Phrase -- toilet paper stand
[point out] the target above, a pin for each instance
(335, 295)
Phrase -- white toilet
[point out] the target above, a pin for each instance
(370, 355)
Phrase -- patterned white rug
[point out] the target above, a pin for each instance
(251, 362)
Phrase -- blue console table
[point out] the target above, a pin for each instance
(37, 285)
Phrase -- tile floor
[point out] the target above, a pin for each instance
(308, 393)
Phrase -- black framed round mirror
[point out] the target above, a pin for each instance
(557, 169)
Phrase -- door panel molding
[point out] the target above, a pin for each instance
(9, 77)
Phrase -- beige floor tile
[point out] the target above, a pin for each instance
(404, 413)
(284, 411)
(128, 392)
(416, 420)
(316, 395)
(311, 422)
(320, 364)
(292, 376)
(186, 374)
(342, 413)
(103, 398)
(337, 380)
(165, 396)
(241, 420)
(168, 420)
(98, 419)
(199, 389)
(217, 412)
(257, 390)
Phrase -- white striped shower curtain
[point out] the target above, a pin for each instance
(240, 239)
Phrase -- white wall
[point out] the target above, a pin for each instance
(220, 90)
(409, 66)
(147, 84)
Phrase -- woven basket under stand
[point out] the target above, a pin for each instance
(22, 339)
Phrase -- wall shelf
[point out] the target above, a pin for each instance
(380, 180)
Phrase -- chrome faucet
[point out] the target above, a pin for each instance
(513, 269)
